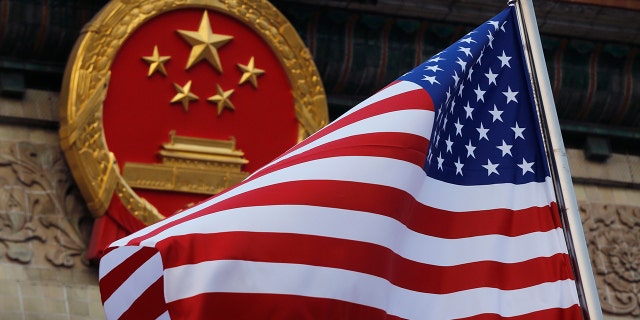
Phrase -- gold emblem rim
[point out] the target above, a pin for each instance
(87, 75)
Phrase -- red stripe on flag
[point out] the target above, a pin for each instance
(364, 258)
(399, 205)
(423, 219)
(111, 281)
(148, 305)
(416, 216)
(241, 306)
(401, 146)
(393, 145)
(571, 313)
(414, 99)
(390, 202)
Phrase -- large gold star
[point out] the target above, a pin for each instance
(156, 62)
(222, 99)
(204, 44)
(184, 95)
(250, 72)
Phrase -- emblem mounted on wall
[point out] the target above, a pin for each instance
(165, 103)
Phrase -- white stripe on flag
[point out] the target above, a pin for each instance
(410, 178)
(393, 173)
(114, 258)
(371, 228)
(416, 122)
(388, 92)
(456, 198)
(387, 121)
(236, 276)
(164, 316)
(133, 287)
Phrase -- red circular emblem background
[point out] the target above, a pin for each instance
(138, 115)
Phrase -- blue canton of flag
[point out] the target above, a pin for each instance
(484, 130)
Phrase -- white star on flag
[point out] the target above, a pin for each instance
(431, 79)
(511, 95)
(496, 114)
(526, 166)
(483, 132)
(433, 68)
(479, 94)
(505, 148)
(504, 60)
(492, 77)
(518, 131)
(491, 167)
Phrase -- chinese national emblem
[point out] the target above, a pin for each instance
(166, 103)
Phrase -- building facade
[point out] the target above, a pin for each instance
(591, 48)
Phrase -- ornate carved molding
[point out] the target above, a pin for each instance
(40, 205)
(613, 237)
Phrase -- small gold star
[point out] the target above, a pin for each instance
(204, 44)
(222, 99)
(184, 95)
(156, 62)
(250, 72)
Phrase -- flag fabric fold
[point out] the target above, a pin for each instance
(429, 200)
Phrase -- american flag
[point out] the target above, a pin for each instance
(429, 200)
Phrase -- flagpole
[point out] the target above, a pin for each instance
(559, 163)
